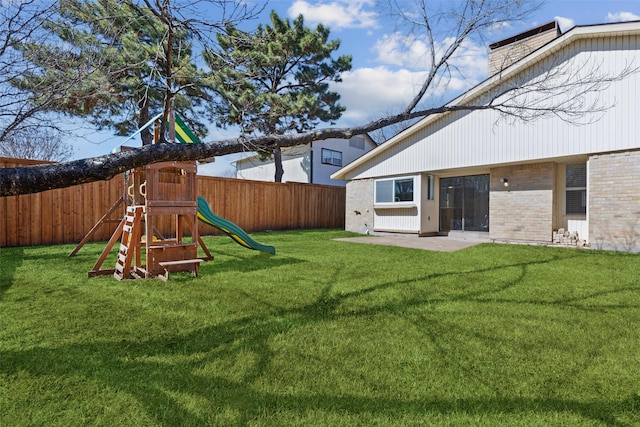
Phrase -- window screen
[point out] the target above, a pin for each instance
(576, 189)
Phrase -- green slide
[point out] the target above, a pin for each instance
(236, 233)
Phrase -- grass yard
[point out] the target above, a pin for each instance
(324, 333)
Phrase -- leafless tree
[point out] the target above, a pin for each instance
(20, 21)
(37, 144)
(379, 136)
(561, 90)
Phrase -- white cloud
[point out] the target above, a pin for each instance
(366, 92)
(338, 14)
(622, 17)
(404, 65)
(470, 59)
(499, 27)
(396, 49)
(565, 23)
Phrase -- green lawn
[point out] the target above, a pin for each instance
(324, 333)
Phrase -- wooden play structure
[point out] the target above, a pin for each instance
(162, 192)
(159, 196)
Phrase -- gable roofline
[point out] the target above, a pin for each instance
(553, 25)
(572, 35)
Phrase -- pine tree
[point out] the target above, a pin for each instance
(127, 65)
(276, 80)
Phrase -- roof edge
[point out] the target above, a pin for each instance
(574, 33)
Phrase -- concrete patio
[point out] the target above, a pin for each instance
(434, 243)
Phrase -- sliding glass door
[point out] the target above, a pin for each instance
(464, 203)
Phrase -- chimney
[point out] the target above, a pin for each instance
(507, 51)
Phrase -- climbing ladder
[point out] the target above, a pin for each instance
(130, 241)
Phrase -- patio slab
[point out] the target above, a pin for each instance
(436, 243)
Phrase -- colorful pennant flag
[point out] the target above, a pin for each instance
(183, 133)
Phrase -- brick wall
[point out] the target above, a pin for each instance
(504, 56)
(523, 210)
(359, 206)
(614, 201)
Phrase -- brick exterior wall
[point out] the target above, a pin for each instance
(524, 210)
(502, 57)
(614, 201)
(359, 206)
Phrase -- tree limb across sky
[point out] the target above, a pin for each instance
(555, 89)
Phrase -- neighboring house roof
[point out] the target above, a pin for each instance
(549, 49)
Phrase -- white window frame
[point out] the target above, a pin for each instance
(334, 157)
(393, 200)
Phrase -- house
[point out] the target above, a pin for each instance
(482, 173)
(310, 163)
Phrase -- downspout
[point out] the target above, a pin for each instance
(311, 163)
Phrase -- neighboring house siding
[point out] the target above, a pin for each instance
(322, 172)
(524, 210)
(295, 163)
(304, 163)
(471, 139)
(614, 201)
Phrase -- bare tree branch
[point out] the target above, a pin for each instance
(566, 88)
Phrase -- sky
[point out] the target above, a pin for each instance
(385, 70)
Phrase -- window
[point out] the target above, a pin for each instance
(394, 190)
(330, 157)
(576, 189)
(431, 187)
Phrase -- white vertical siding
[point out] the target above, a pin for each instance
(468, 139)
(294, 170)
(295, 162)
(406, 220)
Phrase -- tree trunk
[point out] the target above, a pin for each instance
(277, 161)
(145, 135)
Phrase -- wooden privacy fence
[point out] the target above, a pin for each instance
(66, 215)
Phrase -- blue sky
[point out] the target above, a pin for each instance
(385, 73)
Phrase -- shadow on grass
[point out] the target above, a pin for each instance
(145, 369)
(253, 262)
(10, 260)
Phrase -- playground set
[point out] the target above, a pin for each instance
(162, 193)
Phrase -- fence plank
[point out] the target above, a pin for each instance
(3, 221)
(46, 217)
(66, 215)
